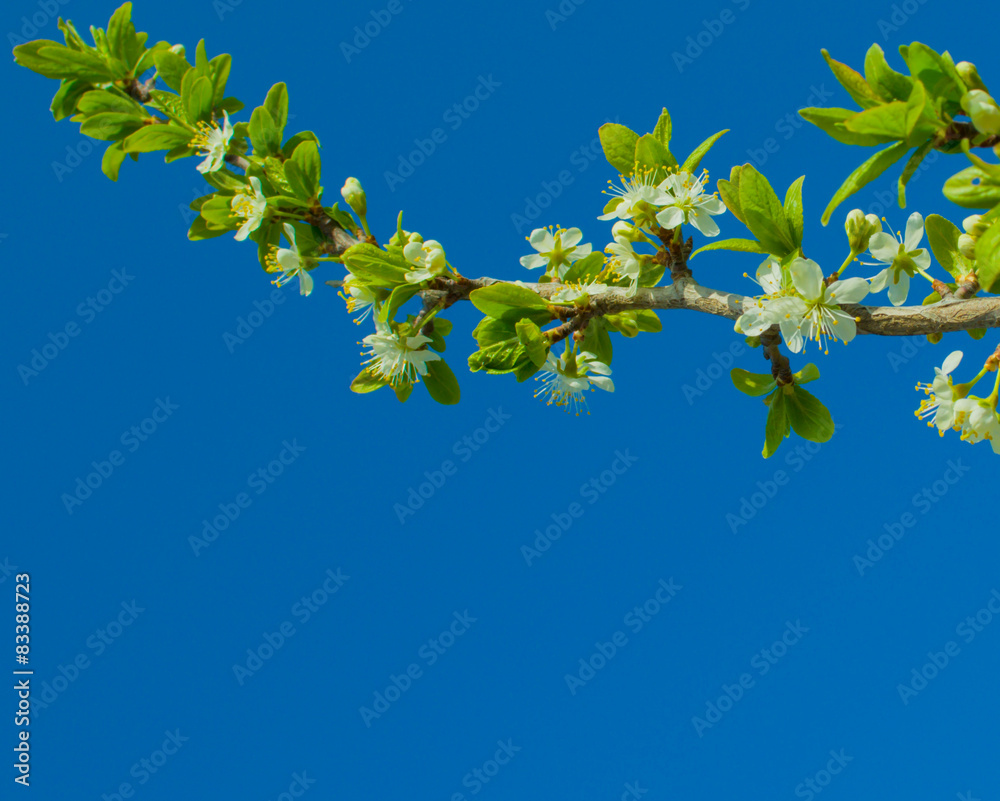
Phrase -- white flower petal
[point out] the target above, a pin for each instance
(914, 231)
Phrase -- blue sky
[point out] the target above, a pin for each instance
(243, 666)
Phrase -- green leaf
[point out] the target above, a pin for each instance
(776, 428)
(912, 164)
(752, 384)
(585, 269)
(929, 68)
(197, 97)
(793, 210)
(619, 144)
(367, 381)
(943, 236)
(221, 66)
(112, 160)
(972, 188)
(58, 61)
(157, 137)
(399, 296)
(653, 155)
(856, 86)
(201, 229)
(809, 418)
(276, 104)
(648, 321)
(121, 34)
(403, 390)
(490, 331)
(510, 302)
(376, 266)
(691, 162)
(729, 191)
(111, 125)
(502, 357)
(441, 382)
(535, 343)
(64, 103)
(99, 100)
(171, 67)
(742, 245)
(988, 259)
(263, 133)
(295, 141)
(623, 322)
(865, 174)
(662, 131)
(887, 122)
(975, 333)
(808, 373)
(596, 340)
(765, 216)
(832, 122)
(883, 79)
(306, 158)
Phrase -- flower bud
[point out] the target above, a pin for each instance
(355, 196)
(405, 239)
(983, 110)
(967, 246)
(624, 230)
(974, 225)
(970, 75)
(860, 228)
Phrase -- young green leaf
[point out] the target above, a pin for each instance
(809, 418)
(619, 144)
(865, 174)
(691, 162)
(856, 86)
(441, 382)
(752, 384)
(741, 245)
(776, 428)
(988, 259)
(662, 131)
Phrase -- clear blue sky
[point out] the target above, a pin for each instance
(144, 643)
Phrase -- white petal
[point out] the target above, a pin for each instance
(670, 217)
(570, 237)
(533, 262)
(921, 258)
(845, 329)
(541, 239)
(305, 283)
(879, 281)
(850, 290)
(704, 223)
(951, 362)
(603, 382)
(288, 259)
(883, 246)
(712, 205)
(807, 276)
(899, 290)
(914, 231)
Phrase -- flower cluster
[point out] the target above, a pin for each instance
(567, 377)
(949, 405)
